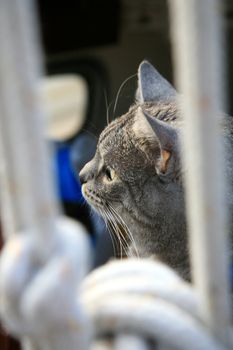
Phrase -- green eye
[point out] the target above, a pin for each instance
(110, 173)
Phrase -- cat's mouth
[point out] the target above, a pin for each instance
(92, 197)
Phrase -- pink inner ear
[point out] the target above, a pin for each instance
(164, 161)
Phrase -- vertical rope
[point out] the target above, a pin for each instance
(27, 192)
(197, 46)
(27, 195)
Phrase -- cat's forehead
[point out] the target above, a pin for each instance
(116, 134)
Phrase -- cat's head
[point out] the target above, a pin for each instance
(135, 172)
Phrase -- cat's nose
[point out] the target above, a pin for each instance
(86, 173)
(83, 176)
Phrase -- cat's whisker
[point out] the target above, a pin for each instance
(123, 239)
(113, 238)
(109, 230)
(112, 229)
(114, 232)
(119, 91)
(117, 232)
(108, 106)
(131, 238)
(126, 245)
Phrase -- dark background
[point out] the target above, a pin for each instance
(119, 34)
(116, 34)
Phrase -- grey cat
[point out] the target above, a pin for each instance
(135, 178)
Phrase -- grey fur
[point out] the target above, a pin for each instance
(152, 86)
(127, 176)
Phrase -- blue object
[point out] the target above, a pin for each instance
(231, 276)
(69, 186)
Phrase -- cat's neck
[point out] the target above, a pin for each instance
(166, 241)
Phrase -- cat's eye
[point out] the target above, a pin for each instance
(109, 173)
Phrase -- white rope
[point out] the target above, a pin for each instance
(130, 342)
(46, 257)
(31, 299)
(102, 344)
(117, 301)
(134, 277)
(40, 301)
(197, 45)
(151, 319)
(25, 168)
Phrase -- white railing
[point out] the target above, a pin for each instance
(198, 47)
(44, 298)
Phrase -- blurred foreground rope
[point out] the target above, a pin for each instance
(131, 301)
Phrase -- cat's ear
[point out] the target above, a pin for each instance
(152, 87)
(157, 139)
